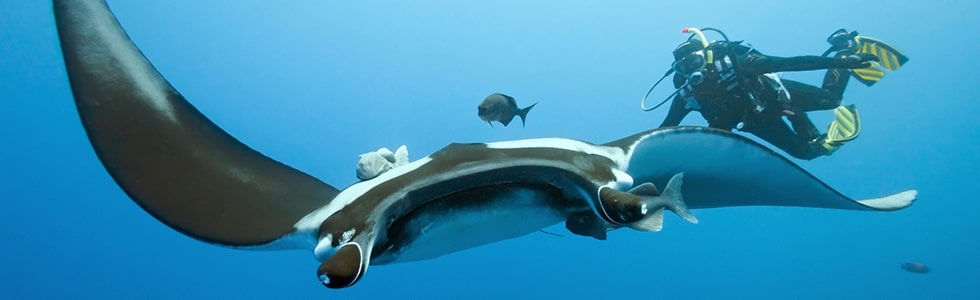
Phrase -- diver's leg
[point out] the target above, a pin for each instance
(843, 43)
(777, 133)
(835, 81)
(805, 97)
(803, 126)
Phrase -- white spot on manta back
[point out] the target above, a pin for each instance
(347, 236)
(613, 153)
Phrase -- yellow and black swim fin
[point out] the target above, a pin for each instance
(889, 59)
(845, 127)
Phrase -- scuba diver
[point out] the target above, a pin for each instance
(735, 86)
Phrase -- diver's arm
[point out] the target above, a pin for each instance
(676, 113)
(755, 63)
(677, 110)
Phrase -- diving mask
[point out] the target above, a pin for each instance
(691, 66)
(691, 63)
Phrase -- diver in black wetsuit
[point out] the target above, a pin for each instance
(734, 86)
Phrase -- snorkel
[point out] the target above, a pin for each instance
(708, 56)
(697, 77)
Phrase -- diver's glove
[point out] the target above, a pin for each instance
(859, 61)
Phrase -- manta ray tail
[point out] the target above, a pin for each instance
(671, 199)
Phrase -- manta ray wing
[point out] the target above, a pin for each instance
(167, 156)
(726, 169)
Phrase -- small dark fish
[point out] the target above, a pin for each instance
(915, 267)
(501, 108)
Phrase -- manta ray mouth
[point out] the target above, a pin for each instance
(474, 217)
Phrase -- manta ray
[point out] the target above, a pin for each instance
(194, 177)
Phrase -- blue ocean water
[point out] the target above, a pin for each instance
(315, 83)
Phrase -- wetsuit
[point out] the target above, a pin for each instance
(735, 91)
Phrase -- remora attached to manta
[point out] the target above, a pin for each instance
(194, 177)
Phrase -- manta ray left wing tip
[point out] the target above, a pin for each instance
(168, 157)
